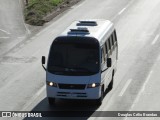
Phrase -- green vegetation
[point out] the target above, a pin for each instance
(36, 10)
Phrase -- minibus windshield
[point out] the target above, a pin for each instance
(74, 56)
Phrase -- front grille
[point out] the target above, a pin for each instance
(71, 94)
(72, 86)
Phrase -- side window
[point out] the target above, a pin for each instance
(115, 36)
(106, 47)
(102, 56)
(109, 43)
(113, 40)
(105, 53)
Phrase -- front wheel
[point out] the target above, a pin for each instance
(99, 101)
(51, 101)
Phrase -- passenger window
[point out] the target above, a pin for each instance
(112, 39)
(115, 37)
(106, 47)
(103, 58)
(104, 54)
(109, 43)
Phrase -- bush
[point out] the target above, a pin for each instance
(37, 9)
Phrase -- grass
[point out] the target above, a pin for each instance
(36, 10)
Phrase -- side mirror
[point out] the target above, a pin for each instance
(43, 62)
(109, 62)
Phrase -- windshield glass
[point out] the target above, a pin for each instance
(74, 56)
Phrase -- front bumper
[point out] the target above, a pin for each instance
(87, 93)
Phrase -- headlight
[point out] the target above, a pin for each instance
(52, 84)
(93, 85)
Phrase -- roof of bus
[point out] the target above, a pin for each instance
(95, 28)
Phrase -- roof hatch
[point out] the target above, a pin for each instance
(79, 30)
(87, 23)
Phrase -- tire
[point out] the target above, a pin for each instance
(110, 86)
(99, 101)
(51, 101)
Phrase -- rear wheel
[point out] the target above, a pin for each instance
(99, 101)
(51, 101)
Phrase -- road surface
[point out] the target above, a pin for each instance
(136, 83)
(12, 27)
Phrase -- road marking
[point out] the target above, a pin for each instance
(4, 37)
(155, 39)
(119, 13)
(125, 87)
(5, 31)
(141, 91)
(122, 11)
(130, 3)
(148, 77)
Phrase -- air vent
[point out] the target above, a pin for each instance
(79, 30)
(87, 23)
(72, 86)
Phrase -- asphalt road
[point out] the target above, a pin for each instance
(12, 27)
(136, 84)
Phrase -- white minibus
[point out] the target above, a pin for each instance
(82, 61)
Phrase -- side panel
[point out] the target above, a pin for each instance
(105, 74)
(109, 50)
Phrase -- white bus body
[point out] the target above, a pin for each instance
(82, 61)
